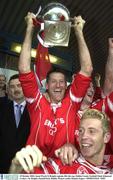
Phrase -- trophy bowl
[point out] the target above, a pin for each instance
(55, 11)
(56, 25)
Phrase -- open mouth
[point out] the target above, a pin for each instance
(86, 146)
(57, 91)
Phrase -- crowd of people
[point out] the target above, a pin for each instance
(66, 130)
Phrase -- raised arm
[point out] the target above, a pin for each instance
(108, 82)
(84, 55)
(98, 90)
(25, 56)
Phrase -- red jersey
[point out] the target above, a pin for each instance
(105, 105)
(53, 125)
(79, 166)
(98, 93)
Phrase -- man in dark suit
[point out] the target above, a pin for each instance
(13, 131)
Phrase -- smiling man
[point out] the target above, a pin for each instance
(94, 134)
(53, 116)
(56, 85)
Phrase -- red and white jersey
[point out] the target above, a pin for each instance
(79, 166)
(53, 125)
(104, 105)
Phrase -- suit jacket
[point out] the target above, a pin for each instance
(12, 139)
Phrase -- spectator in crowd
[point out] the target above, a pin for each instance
(94, 134)
(2, 85)
(56, 118)
(14, 130)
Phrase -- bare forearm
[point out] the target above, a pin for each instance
(84, 55)
(98, 84)
(25, 56)
(108, 82)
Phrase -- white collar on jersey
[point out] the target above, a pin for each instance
(55, 106)
(96, 169)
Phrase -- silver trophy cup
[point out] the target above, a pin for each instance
(57, 25)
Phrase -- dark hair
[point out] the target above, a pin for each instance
(15, 76)
(55, 71)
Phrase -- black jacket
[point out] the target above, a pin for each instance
(12, 138)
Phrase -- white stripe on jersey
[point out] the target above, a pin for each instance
(31, 100)
(53, 165)
(110, 104)
(74, 98)
(97, 170)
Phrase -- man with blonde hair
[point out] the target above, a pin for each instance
(94, 134)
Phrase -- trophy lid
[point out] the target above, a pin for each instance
(55, 12)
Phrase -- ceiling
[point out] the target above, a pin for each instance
(99, 27)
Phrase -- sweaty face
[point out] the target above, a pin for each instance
(91, 138)
(15, 90)
(56, 87)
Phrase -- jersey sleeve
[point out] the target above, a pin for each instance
(78, 88)
(110, 102)
(104, 104)
(29, 86)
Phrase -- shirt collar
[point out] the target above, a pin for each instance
(23, 103)
(55, 106)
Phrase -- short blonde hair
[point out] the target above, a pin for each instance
(96, 114)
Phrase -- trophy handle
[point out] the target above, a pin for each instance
(39, 36)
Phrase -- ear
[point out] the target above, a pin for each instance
(107, 137)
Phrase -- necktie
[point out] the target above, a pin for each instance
(18, 114)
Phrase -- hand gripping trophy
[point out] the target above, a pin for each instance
(55, 23)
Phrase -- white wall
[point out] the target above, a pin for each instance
(7, 72)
